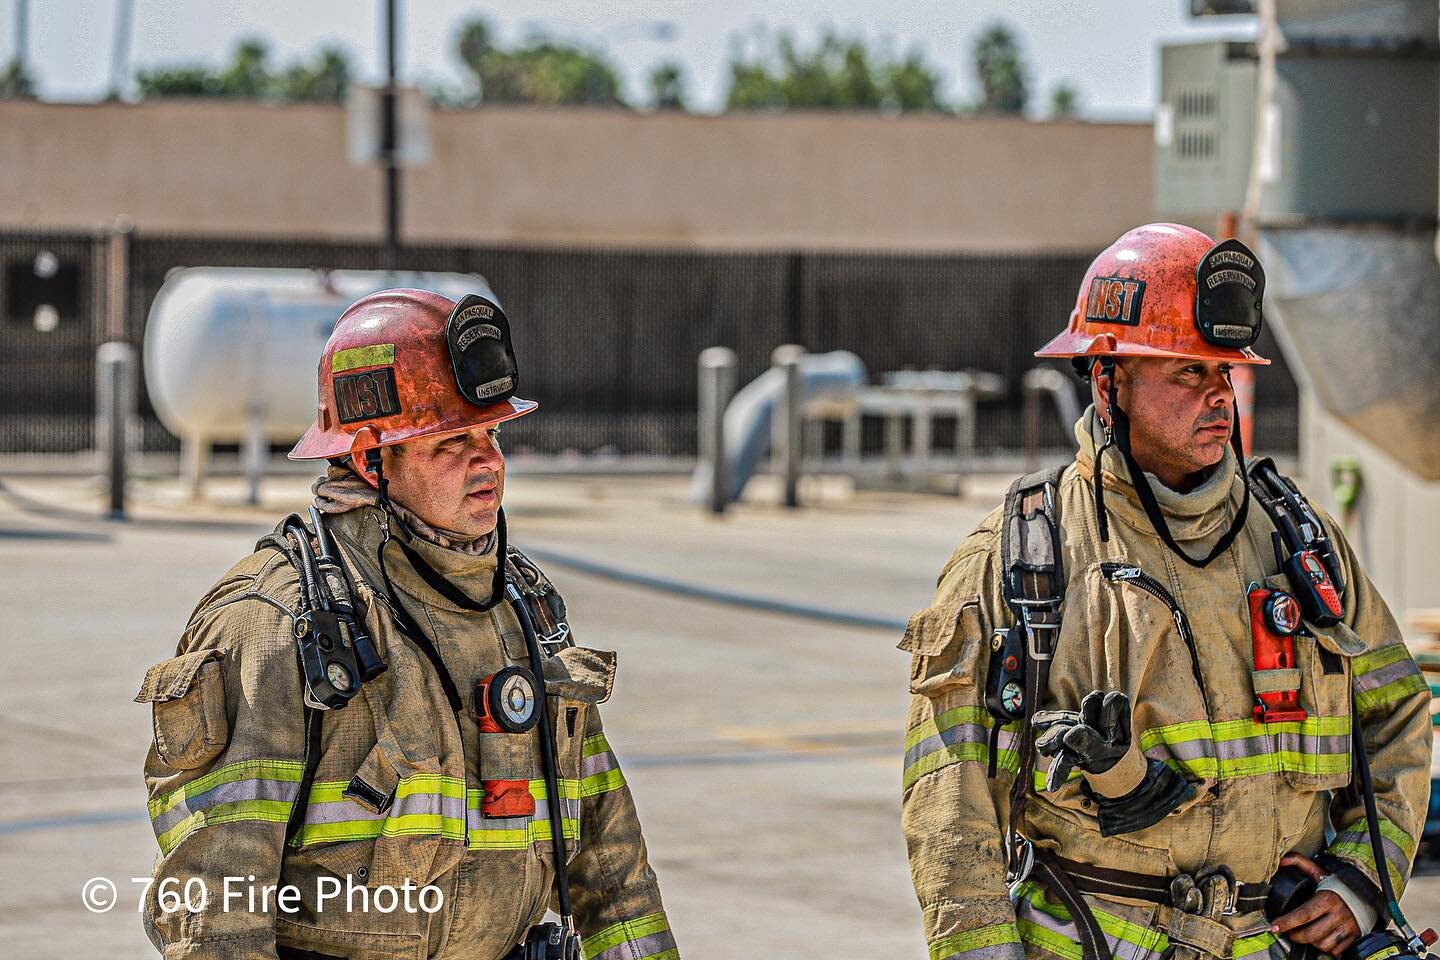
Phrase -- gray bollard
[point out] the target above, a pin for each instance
(114, 416)
(254, 451)
(717, 385)
(1036, 384)
(785, 429)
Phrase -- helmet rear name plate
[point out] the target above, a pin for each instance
(482, 358)
(1229, 289)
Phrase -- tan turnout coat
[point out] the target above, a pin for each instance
(1260, 790)
(225, 767)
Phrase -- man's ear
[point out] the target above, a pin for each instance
(1099, 385)
(360, 463)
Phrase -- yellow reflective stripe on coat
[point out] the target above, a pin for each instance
(1353, 843)
(1231, 749)
(259, 790)
(958, 735)
(998, 941)
(425, 804)
(517, 833)
(644, 938)
(1385, 676)
(599, 770)
(1046, 925)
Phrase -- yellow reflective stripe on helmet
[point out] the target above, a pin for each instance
(958, 735)
(983, 943)
(258, 790)
(644, 938)
(356, 357)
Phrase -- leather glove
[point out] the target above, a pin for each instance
(1131, 791)
(1094, 738)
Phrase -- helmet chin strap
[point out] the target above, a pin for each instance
(436, 580)
(1118, 433)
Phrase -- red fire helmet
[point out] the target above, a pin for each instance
(391, 372)
(1167, 290)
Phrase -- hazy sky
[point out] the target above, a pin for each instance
(1107, 50)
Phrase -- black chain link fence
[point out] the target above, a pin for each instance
(607, 339)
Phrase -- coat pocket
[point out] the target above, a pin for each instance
(578, 680)
(1317, 756)
(187, 698)
(387, 824)
(946, 642)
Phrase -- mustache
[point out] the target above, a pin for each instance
(1219, 418)
(487, 481)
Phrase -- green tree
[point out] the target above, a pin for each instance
(540, 70)
(913, 86)
(839, 73)
(248, 76)
(1001, 70)
(667, 86)
(1064, 101)
(15, 81)
(324, 80)
(189, 81)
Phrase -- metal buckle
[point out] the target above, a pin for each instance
(559, 639)
(1039, 649)
(1026, 852)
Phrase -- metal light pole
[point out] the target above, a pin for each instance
(120, 49)
(388, 145)
(22, 33)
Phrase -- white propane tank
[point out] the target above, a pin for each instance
(231, 352)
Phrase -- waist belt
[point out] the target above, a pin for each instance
(1187, 893)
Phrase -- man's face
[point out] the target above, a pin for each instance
(1180, 414)
(453, 482)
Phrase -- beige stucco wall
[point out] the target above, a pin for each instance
(584, 177)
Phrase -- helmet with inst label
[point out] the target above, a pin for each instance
(403, 364)
(1167, 290)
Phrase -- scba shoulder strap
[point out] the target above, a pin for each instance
(1032, 583)
(1302, 547)
(335, 651)
(1032, 575)
(547, 607)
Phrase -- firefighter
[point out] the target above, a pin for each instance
(1131, 723)
(378, 719)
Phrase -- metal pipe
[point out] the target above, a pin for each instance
(114, 415)
(785, 433)
(389, 145)
(717, 385)
(120, 48)
(1037, 383)
(22, 34)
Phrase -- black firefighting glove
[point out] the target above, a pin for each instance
(1131, 791)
